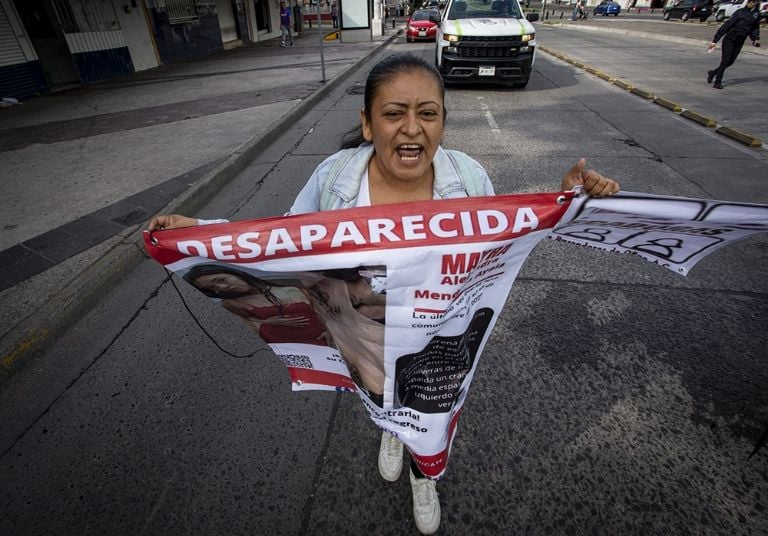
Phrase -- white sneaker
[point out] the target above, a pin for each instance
(390, 457)
(426, 504)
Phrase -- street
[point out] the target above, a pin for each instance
(614, 396)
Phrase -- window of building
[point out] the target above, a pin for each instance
(86, 15)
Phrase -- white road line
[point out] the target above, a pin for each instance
(489, 116)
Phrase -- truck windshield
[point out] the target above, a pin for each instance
(480, 9)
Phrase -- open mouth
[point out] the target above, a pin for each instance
(409, 152)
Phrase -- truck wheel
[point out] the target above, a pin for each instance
(685, 16)
(666, 15)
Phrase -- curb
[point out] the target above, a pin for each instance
(732, 133)
(743, 137)
(700, 119)
(125, 251)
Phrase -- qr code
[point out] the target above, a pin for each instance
(295, 360)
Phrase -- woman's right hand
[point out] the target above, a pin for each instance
(170, 221)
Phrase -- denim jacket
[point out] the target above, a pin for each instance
(335, 183)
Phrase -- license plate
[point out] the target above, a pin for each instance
(487, 71)
(423, 34)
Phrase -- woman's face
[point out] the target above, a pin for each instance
(222, 283)
(405, 126)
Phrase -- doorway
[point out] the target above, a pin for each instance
(50, 45)
(262, 16)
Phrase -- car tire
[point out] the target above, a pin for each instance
(666, 15)
(720, 17)
(615, 14)
(685, 16)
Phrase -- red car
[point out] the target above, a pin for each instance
(420, 27)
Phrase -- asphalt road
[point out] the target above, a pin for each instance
(613, 398)
(676, 71)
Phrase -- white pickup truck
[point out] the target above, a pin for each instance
(486, 41)
(726, 9)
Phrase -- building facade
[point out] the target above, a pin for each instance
(50, 45)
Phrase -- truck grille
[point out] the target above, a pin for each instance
(489, 47)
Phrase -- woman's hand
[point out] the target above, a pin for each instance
(593, 183)
(170, 221)
(326, 337)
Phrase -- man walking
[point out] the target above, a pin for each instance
(285, 24)
(745, 22)
(335, 15)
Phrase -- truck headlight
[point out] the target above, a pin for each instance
(451, 38)
(528, 37)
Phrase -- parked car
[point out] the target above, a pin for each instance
(607, 7)
(726, 9)
(764, 10)
(689, 9)
(422, 25)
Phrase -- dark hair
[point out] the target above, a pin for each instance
(262, 286)
(382, 73)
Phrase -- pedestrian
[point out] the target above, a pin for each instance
(745, 22)
(285, 24)
(335, 15)
(395, 156)
(298, 18)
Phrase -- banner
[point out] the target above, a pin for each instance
(673, 232)
(396, 302)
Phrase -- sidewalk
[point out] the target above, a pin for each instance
(83, 170)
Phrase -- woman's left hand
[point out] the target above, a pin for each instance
(593, 183)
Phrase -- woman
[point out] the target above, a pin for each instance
(359, 338)
(398, 158)
(277, 313)
(321, 312)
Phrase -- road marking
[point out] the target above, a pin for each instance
(489, 116)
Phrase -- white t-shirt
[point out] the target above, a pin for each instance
(364, 194)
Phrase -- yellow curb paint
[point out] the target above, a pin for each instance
(606, 76)
(642, 93)
(668, 104)
(742, 137)
(35, 338)
(693, 116)
(591, 70)
(623, 85)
